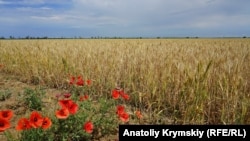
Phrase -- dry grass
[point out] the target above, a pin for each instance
(177, 81)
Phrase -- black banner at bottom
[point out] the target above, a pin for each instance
(184, 132)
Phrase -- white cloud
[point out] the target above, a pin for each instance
(32, 9)
(31, 2)
(217, 21)
(48, 18)
(129, 16)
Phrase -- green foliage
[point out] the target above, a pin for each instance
(69, 129)
(33, 98)
(5, 94)
(36, 135)
(100, 112)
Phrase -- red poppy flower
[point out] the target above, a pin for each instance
(6, 114)
(4, 124)
(65, 103)
(79, 81)
(88, 127)
(120, 109)
(36, 120)
(70, 105)
(73, 108)
(23, 124)
(124, 95)
(62, 113)
(67, 95)
(82, 98)
(72, 80)
(115, 94)
(88, 82)
(46, 123)
(138, 114)
(124, 117)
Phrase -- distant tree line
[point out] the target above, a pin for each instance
(114, 37)
(92, 37)
(27, 37)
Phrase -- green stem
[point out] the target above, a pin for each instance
(8, 136)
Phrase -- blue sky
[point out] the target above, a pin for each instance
(124, 18)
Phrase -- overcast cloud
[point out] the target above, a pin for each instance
(126, 18)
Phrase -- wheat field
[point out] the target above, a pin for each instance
(197, 81)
